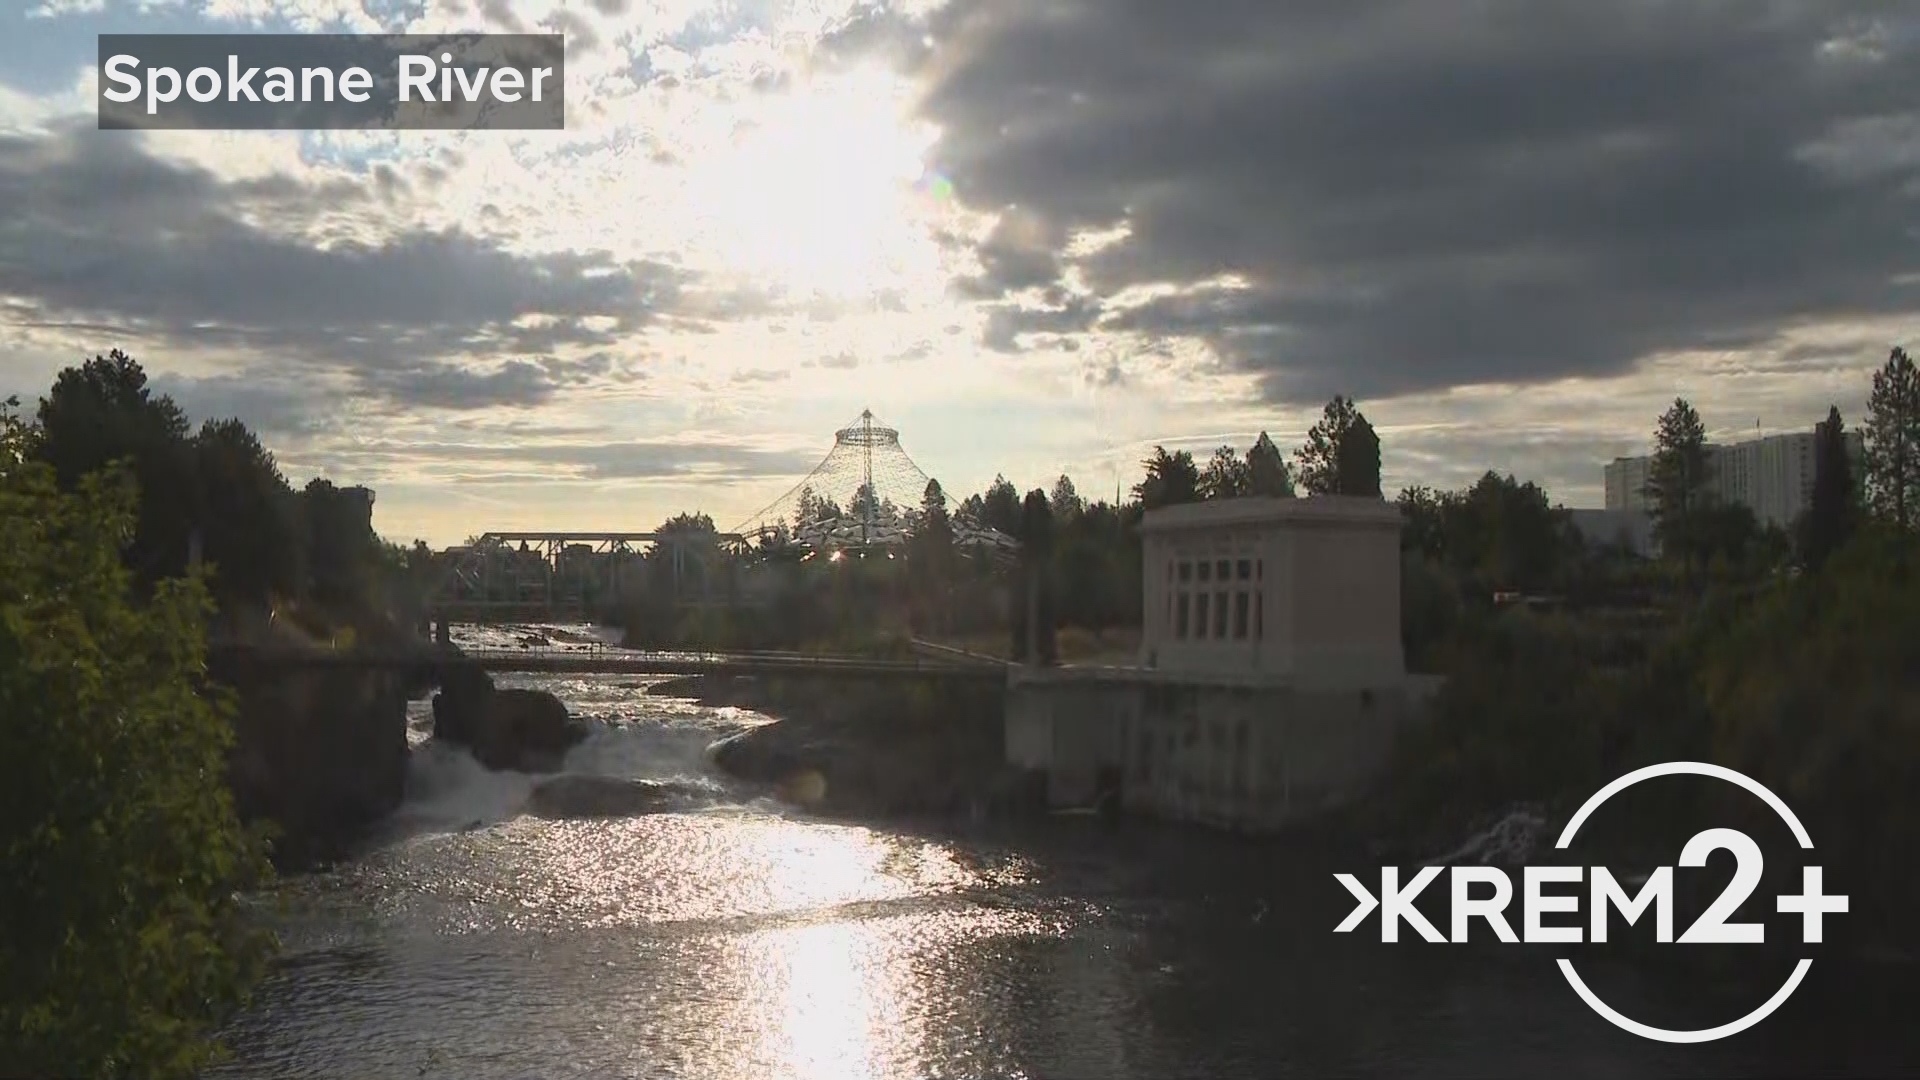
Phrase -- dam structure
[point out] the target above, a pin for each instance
(1270, 682)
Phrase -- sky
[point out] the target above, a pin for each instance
(1036, 236)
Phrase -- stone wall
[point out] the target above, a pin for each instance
(320, 752)
(1250, 756)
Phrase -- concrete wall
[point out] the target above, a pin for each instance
(1251, 756)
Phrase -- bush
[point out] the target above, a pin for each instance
(120, 855)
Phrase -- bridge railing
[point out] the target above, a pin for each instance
(588, 653)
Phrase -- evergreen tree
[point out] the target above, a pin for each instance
(1334, 438)
(1267, 472)
(1000, 509)
(1065, 499)
(1678, 479)
(1033, 603)
(1358, 460)
(931, 556)
(1893, 442)
(1829, 520)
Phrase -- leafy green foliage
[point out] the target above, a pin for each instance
(1500, 534)
(1809, 684)
(1172, 479)
(1226, 476)
(1816, 692)
(102, 414)
(122, 942)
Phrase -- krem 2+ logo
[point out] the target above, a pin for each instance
(1607, 897)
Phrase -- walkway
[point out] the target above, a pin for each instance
(603, 659)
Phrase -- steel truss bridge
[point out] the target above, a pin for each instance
(545, 575)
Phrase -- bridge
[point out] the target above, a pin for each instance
(544, 576)
(598, 659)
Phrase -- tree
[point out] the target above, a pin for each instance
(1830, 516)
(1267, 471)
(1334, 456)
(1226, 476)
(1425, 512)
(123, 942)
(930, 555)
(1358, 461)
(342, 548)
(1893, 442)
(1678, 479)
(1498, 534)
(248, 528)
(1171, 479)
(103, 414)
(1033, 603)
(1000, 509)
(1064, 500)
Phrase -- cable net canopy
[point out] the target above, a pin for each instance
(865, 493)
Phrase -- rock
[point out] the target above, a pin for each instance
(866, 750)
(514, 729)
(578, 796)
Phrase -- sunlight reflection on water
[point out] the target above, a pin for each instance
(743, 942)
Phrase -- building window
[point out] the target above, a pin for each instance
(1240, 605)
(1259, 569)
(1224, 569)
(1220, 615)
(1258, 631)
(1200, 611)
(1244, 571)
(1180, 623)
(1186, 571)
(1206, 571)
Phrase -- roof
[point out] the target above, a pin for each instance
(1314, 511)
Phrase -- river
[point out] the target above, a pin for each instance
(744, 940)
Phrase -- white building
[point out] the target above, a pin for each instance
(1772, 476)
(1302, 589)
(1271, 681)
(1627, 483)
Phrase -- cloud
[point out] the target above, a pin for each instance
(580, 461)
(1393, 196)
(100, 232)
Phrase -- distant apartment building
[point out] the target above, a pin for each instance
(1772, 476)
(1627, 483)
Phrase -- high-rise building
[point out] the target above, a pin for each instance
(1627, 483)
(1772, 476)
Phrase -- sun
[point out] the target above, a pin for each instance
(819, 194)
